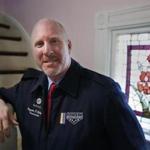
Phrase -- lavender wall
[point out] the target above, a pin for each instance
(77, 16)
(2, 5)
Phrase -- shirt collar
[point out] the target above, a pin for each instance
(50, 82)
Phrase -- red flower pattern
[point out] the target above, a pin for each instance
(144, 83)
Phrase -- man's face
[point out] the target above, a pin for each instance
(51, 50)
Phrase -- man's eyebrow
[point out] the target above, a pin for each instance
(54, 38)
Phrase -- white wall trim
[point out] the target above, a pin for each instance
(131, 16)
(106, 23)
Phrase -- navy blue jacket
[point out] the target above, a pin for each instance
(89, 112)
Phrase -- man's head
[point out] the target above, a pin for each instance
(51, 48)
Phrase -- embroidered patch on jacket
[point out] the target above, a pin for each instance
(72, 117)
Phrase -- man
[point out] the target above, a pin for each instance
(88, 110)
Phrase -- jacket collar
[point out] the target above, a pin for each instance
(42, 82)
(71, 80)
(68, 84)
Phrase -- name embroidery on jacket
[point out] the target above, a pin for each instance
(35, 110)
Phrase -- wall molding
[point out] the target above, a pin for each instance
(126, 17)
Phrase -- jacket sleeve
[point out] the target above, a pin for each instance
(122, 126)
(9, 95)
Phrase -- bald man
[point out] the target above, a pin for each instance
(88, 111)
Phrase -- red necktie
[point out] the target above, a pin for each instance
(49, 101)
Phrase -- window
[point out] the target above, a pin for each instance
(122, 51)
(131, 68)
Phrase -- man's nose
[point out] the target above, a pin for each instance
(47, 49)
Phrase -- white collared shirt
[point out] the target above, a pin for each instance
(50, 82)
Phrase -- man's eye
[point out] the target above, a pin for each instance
(39, 44)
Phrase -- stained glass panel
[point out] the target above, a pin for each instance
(133, 73)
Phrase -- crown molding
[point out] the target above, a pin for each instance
(127, 17)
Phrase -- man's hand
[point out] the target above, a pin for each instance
(7, 120)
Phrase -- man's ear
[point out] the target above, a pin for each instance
(69, 45)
